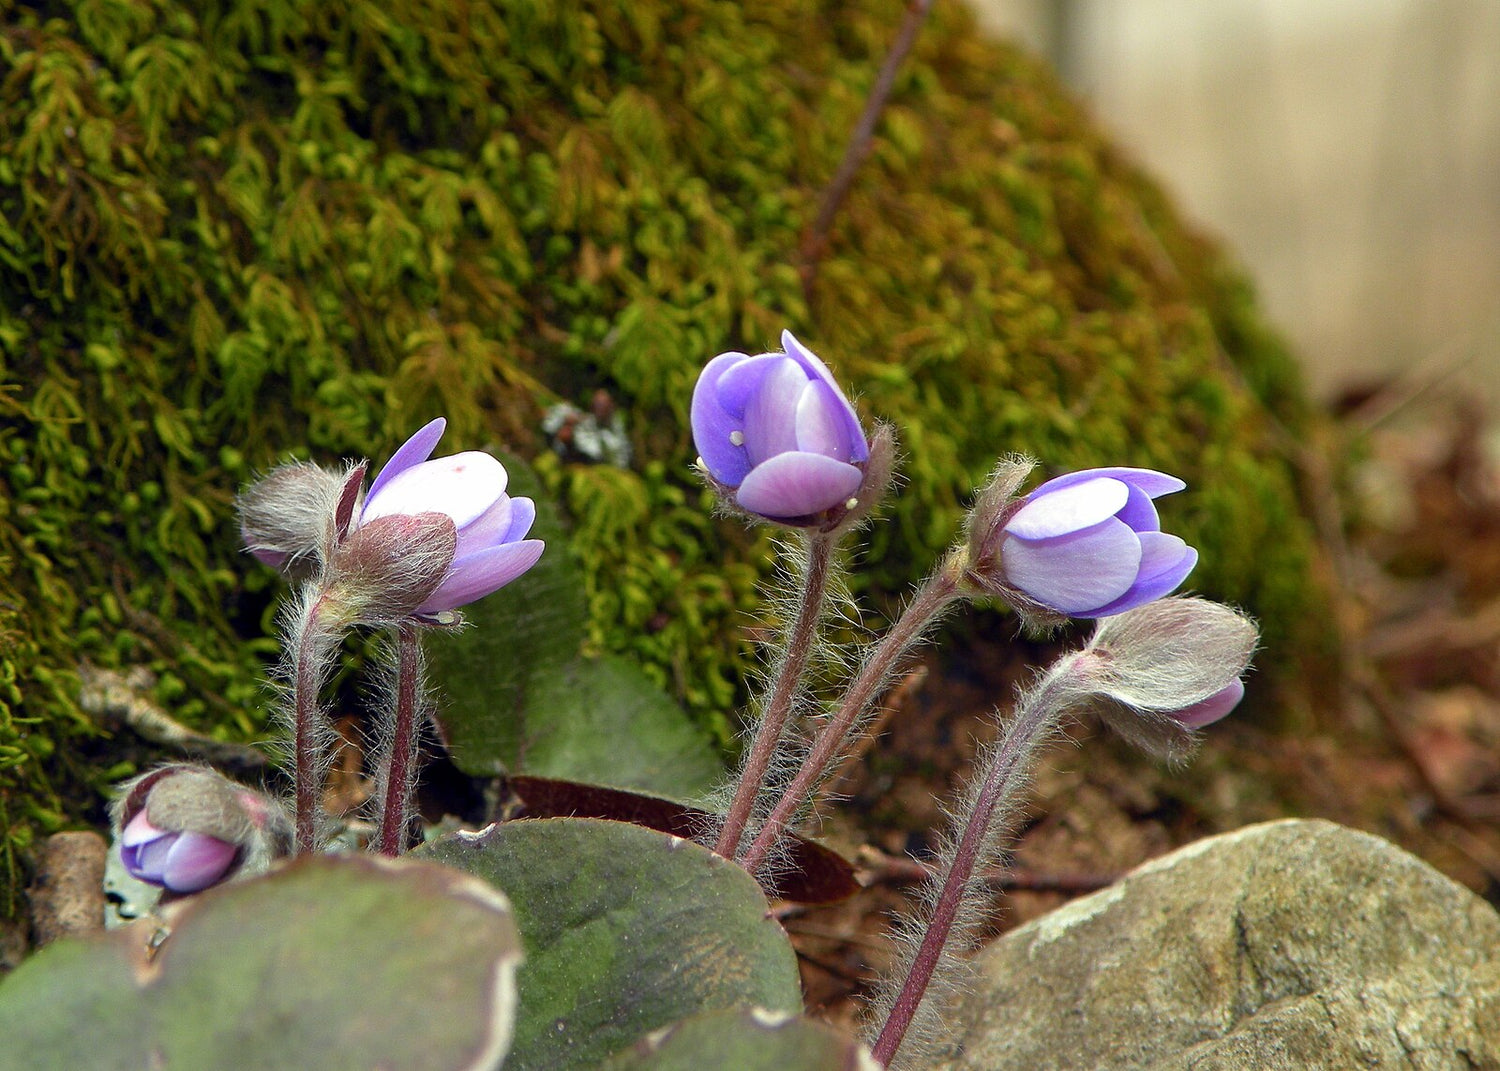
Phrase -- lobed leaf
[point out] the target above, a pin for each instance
(626, 931)
(330, 962)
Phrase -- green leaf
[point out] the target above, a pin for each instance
(519, 695)
(627, 930)
(809, 873)
(746, 1041)
(330, 962)
(606, 722)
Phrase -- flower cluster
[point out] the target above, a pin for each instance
(779, 441)
(430, 536)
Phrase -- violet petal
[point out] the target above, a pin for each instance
(820, 373)
(1161, 553)
(139, 830)
(148, 861)
(1077, 572)
(1139, 511)
(414, 451)
(481, 573)
(462, 485)
(1214, 707)
(820, 424)
(522, 517)
(486, 530)
(195, 861)
(739, 383)
(713, 425)
(771, 416)
(1154, 484)
(798, 484)
(1047, 514)
(1147, 589)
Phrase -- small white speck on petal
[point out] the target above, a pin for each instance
(851, 503)
(737, 438)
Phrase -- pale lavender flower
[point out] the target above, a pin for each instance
(468, 488)
(1089, 544)
(777, 434)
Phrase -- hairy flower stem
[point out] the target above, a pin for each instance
(798, 646)
(1010, 769)
(932, 598)
(307, 733)
(395, 807)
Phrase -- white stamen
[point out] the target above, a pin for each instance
(736, 438)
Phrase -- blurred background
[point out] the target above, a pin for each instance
(1348, 150)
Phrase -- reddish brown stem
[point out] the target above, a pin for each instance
(403, 748)
(926, 606)
(307, 745)
(1033, 721)
(799, 643)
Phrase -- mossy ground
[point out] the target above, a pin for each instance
(234, 231)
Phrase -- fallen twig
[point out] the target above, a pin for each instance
(815, 238)
(879, 868)
(122, 698)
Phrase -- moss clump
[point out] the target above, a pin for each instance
(236, 230)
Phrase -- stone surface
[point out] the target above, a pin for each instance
(1290, 944)
(67, 897)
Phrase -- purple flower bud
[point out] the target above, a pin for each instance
(469, 489)
(1089, 544)
(188, 827)
(1164, 670)
(180, 861)
(777, 431)
(389, 567)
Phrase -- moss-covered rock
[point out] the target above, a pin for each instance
(234, 230)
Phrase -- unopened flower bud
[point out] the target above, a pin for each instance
(385, 569)
(291, 518)
(1168, 668)
(186, 828)
(1207, 711)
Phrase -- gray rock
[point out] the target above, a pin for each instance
(1292, 944)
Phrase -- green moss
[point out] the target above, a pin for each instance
(232, 231)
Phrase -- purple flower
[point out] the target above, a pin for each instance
(469, 488)
(1210, 710)
(777, 431)
(1089, 544)
(181, 861)
(188, 827)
